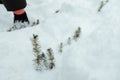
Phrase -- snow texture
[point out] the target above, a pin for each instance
(94, 56)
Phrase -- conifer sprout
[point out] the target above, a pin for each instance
(36, 49)
(61, 47)
(36, 46)
(38, 22)
(50, 58)
(77, 34)
(103, 3)
(39, 56)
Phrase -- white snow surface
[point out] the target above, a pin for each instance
(95, 56)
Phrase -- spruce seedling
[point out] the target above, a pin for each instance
(37, 52)
(61, 47)
(77, 33)
(50, 58)
(103, 3)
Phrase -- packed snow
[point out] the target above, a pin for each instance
(94, 56)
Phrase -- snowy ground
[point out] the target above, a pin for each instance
(95, 56)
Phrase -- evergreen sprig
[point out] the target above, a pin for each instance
(77, 33)
(103, 3)
(51, 58)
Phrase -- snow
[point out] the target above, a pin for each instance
(95, 56)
